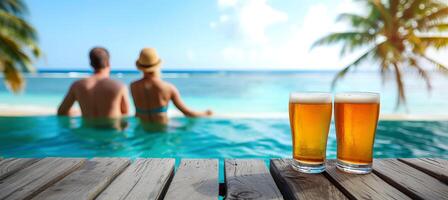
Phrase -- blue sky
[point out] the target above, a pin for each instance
(196, 34)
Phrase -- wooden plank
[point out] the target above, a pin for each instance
(144, 179)
(12, 165)
(87, 182)
(296, 185)
(368, 186)
(437, 168)
(195, 179)
(249, 179)
(409, 180)
(34, 179)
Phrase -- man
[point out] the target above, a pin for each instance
(98, 95)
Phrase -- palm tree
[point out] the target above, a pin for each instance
(397, 34)
(17, 43)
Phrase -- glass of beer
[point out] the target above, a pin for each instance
(356, 118)
(309, 117)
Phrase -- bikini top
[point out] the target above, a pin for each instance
(153, 111)
(161, 109)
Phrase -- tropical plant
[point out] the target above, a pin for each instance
(18, 44)
(397, 34)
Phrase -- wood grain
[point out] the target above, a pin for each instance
(437, 168)
(86, 182)
(12, 165)
(195, 179)
(34, 179)
(143, 179)
(249, 179)
(296, 185)
(368, 186)
(409, 180)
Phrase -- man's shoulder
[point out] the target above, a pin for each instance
(79, 82)
(115, 83)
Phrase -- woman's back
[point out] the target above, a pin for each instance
(152, 95)
(151, 98)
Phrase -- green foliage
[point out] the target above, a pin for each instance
(397, 34)
(18, 43)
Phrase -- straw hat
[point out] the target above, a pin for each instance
(148, 61)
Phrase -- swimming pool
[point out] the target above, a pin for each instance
(201, 138)
(251, 111)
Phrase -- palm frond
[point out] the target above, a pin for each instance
(334, 38)
(411, 10)
(18, 43)
(20, 31)
(399, 26)
(433, 26)
(379, 7)
(12, 77)
(357, 20)
(14, 52)
(400, 86)
(16, 7)
(355, 63)
(422, 72)
(351, 37)
(438, 15)
(439, 66)
(384, 71)
(17, 28)
(436, 42)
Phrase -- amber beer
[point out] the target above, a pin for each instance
(310, 117)
(356, 118)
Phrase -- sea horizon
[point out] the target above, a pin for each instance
(193, 70)
(213, 71)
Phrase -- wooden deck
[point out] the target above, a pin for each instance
(119, 178)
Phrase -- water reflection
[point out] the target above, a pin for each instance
(199, 138)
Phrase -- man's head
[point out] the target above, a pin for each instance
(99, 58)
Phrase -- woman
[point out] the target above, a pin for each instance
(152, 95)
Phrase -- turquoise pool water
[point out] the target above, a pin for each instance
(251, 110)
(201, 138)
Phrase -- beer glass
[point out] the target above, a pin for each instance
(356, 118)
(309, 117)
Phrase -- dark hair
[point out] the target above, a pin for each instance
(99, 58)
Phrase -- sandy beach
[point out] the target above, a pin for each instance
(24, 110)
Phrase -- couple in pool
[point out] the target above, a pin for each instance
(100, 97)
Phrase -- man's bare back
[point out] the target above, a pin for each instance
(98, 95)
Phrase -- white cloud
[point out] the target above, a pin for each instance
(248, 19)
(213, 25)
(233, 54)
(256, 16)
(223, 18)
(227, 3)
(191, 55)
(252, 47)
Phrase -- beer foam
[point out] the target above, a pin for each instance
(357, 97)
(310, 97)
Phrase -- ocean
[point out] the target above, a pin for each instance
(244, 93)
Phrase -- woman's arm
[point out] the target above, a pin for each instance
(177, 100)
